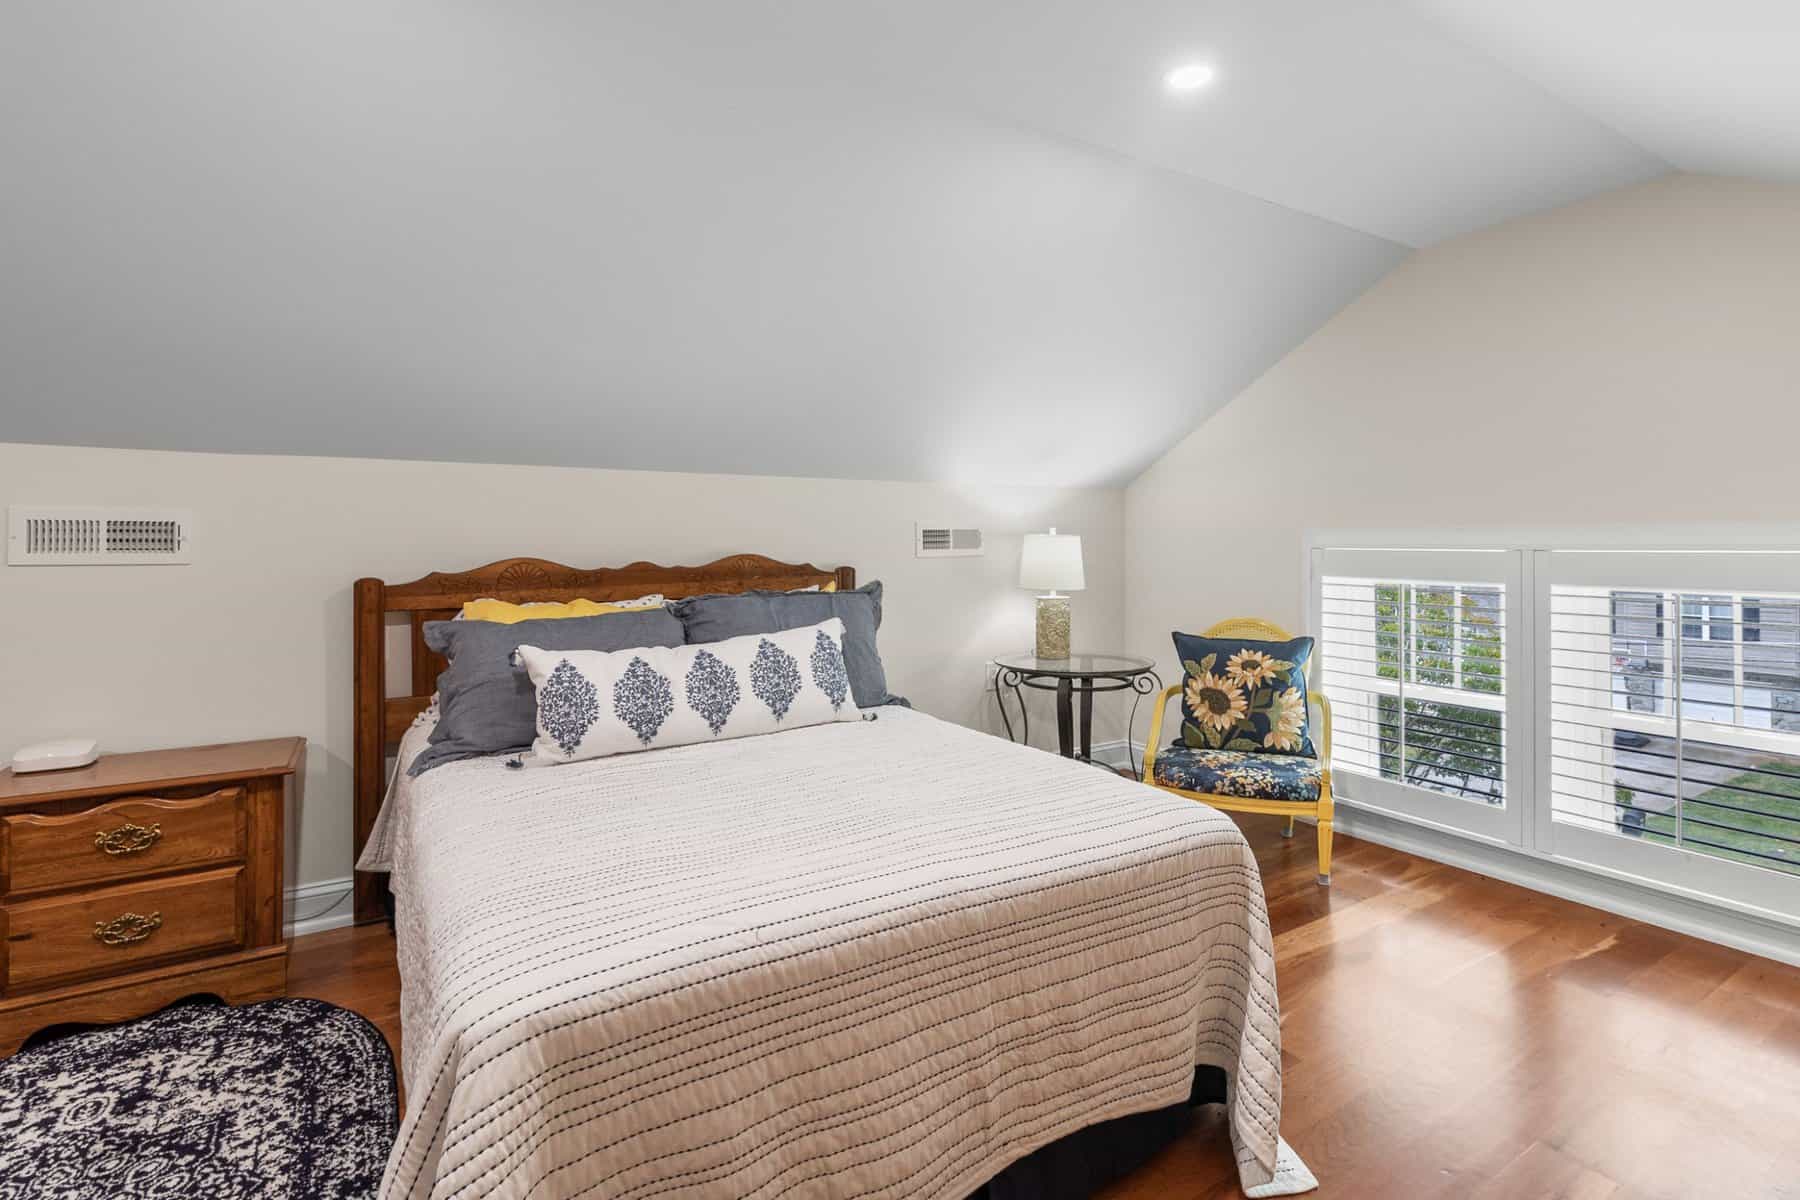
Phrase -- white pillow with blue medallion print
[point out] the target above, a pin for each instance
(592, 703)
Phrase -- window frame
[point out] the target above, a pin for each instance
(1504, 823)
(1677, 575)
(1737, 560)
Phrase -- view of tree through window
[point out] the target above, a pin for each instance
(1442, 636)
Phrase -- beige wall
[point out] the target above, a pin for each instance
(1625, 363)
(253, 638)
(1632, 360)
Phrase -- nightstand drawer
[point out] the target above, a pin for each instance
(115, 929)
(124, 839)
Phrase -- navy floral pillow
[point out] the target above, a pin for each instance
(1244, 695)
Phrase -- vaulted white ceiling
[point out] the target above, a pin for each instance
(1364, 112)
(1711, 87)
(959, 239)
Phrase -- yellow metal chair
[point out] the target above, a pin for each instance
(1251, 628)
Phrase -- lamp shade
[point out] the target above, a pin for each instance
(1051, 562)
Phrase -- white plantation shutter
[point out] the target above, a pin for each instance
(1672, 731)
(1417, 674)
(1632, 712)
(1418, 657)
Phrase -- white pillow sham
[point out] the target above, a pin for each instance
(593, 703)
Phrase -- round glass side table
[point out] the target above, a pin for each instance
(1078, 673)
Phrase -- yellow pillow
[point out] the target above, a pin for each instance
(830, 587)
(504, 613)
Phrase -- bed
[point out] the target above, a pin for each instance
(887, 958)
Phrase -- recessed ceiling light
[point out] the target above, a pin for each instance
(1189, 78)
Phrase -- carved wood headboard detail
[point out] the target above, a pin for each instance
(381, 719)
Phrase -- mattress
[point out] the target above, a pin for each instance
(878, 959)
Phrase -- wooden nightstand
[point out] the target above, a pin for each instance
(143, 878)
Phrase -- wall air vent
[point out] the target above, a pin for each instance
(945, 541)
(79, 537)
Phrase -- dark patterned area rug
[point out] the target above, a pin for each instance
(283, 1100)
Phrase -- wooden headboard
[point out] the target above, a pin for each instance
(381, 719)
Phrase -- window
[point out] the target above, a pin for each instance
(1637, 616)
(1639, 650)
(1772, 652)
(1693, 745)
(1628, 711)
(1454, 641)
(1706, 618)
(1417, 677)
(1414, 650)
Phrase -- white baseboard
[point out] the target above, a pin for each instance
(316, 907)
(1649, 905)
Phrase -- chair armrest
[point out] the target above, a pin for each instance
(1324, 704)
(1156, 720)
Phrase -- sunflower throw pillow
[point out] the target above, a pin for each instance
(1244, 695)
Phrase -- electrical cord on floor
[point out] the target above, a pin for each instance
(327, 910)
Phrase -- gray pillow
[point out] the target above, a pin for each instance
(715, 618)
(486, 705)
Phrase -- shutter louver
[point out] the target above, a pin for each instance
(1675, 719)
(1416, 673)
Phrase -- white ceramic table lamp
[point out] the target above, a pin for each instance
(1048, 563)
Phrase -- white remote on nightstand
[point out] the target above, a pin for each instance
(56, 756)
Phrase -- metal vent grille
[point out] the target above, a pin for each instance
(945, 541)
(96, 536)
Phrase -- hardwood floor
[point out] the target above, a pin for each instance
(1447, 1035)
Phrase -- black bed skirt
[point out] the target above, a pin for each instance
(1078, 1165)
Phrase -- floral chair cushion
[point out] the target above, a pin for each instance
(1245, 695)
(1247, 776)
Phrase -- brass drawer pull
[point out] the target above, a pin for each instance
(128, 839)
(126, 928)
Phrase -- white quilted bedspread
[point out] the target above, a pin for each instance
(881, 959)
